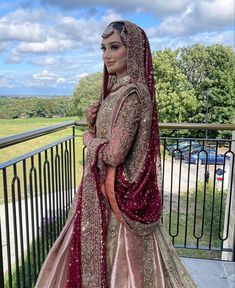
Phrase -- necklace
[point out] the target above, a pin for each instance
(121, 82)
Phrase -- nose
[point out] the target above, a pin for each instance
(107, 54)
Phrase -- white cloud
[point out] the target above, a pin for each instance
(156, 6)
(86, 30)
(64, 45)
(199, 16)
(80, 76)
(24, 15)
(23, 25)
(161, 8)
(44, 61)
(41, 81)
(49, 46)
(53, 79)
(60, 80)
(29, 32)
(68, 66)
(60, 34)
(216, 12)
(14, 57)
(81, 30)
(225, 38)
(208, 11)
(5, 5)
(3, 46)
(45, 75)
(109, 17)
(5, 80)
(75, 79)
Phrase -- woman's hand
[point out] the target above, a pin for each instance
(91, 114)
(87, 137)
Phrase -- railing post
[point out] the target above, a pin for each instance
(230, 210)
(1, 260)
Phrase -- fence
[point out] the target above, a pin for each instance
(38, 189)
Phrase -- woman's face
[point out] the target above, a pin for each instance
(114, 55)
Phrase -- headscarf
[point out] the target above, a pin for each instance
(139, 201)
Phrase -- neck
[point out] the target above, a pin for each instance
(120, 76)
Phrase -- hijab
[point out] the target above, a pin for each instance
(139, 201)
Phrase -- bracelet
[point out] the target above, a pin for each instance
(91, 129)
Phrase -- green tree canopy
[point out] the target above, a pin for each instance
(87, 91)
(175, 94)
(195, 84)
(17, 107)
(210, 70)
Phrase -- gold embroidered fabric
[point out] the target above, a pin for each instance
(137, 255)
(127, 144)
(124, 130)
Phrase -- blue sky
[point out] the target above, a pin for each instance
(47, 46)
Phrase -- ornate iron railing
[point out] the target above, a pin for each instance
(39, 186)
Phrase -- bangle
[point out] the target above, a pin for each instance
(91, 129)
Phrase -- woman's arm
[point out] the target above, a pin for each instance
(123, 132)
(91, 114)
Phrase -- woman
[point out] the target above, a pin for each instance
(113, 237)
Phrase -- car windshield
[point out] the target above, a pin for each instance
(209, 153)
(203, 149)
(187, 143)
(196, 147)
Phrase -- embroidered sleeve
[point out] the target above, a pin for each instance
(123, 132)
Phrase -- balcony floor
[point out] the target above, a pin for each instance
(211, 273)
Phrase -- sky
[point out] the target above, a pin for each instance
(47, 46)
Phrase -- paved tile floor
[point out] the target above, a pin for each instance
(211, 273)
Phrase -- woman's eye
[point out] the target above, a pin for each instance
(102, 48)
(114, 47)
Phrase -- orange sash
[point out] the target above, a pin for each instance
(108, 190)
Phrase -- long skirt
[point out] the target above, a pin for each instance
(133, 261)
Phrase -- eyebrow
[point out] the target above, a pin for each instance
(110, 43)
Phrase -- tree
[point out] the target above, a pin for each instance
(175, 94)
(210, 70)
(195, 84)
(15, 107)
(87, 91)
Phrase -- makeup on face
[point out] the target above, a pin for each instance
(114, 55)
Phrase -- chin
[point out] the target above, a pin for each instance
(110, 70)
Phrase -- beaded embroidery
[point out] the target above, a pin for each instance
(121, 82)
(110, 30)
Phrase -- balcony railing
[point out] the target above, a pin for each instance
(39, 186)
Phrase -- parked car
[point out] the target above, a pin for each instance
(181, 145)
(181, 152)
(185, 152)
(209, 158)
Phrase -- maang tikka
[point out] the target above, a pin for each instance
(111, 29)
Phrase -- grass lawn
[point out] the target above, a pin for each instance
(16, 126)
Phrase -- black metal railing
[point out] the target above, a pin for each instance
(198, 188)
(39, 186)
(38, 190)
